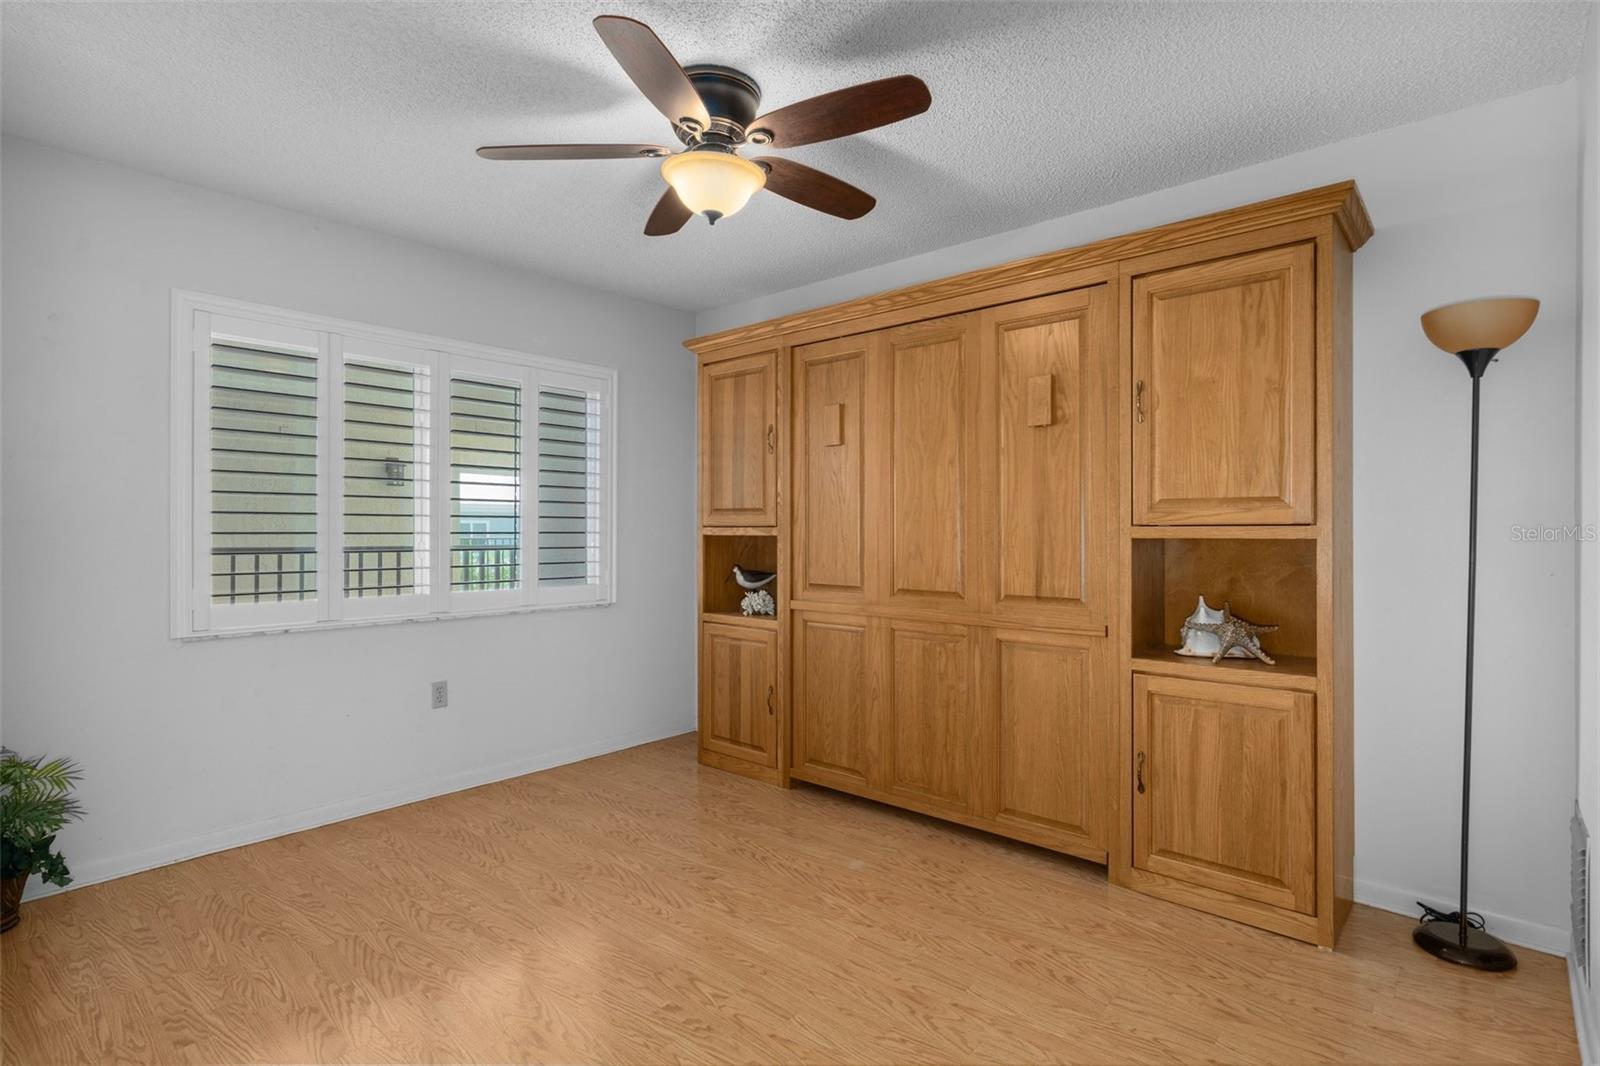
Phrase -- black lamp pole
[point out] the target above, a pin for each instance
(1472, 618)
(1475, 332)
(1458, 940)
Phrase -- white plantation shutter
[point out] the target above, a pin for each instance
(486, 485)
(386, 516)
(263, 473)
(569, 488)
(573, 463)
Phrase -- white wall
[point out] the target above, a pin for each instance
(1479, 202)
(191, 747)
(1586, 1006)
(1411, 440)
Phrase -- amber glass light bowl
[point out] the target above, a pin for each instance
(1492, 323)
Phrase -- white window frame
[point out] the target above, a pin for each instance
(194, 617)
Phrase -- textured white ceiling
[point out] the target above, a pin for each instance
(369, 113)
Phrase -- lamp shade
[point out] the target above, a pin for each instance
(1473, 325)
(714, 184)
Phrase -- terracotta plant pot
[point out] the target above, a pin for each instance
(11, 901)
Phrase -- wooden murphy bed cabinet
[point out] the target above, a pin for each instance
(992, 500)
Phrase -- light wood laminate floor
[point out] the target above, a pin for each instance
(639, 908)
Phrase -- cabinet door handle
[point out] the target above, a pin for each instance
(1140, 773)
(1138, 401)
(769, 701)
(772, 438)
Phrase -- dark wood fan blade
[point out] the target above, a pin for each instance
(845, 111)
(573, 151)
(653, 69)
(668, 217)
(814, 189)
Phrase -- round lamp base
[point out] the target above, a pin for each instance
(1442, 940)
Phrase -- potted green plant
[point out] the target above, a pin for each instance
(35, 801)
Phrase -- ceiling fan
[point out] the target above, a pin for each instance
(713, 111)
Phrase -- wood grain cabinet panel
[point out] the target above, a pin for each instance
(1225, 788)
(738, 445)
(1047, 390)
(930, 720)
(835, 736)
(1053, 713)
(833, 387)
(929, 422)
(738, 698)
(1224, 357)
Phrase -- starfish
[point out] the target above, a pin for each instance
(1236, 633)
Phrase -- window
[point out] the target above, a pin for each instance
(485, 485)
(304, 488)
(263, 440)
(386, 504)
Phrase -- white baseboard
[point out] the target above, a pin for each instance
(133, 862)
(1583, 1015)
(1546, 938)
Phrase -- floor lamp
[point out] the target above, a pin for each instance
(1475, 332)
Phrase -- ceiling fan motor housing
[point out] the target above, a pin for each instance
(732, 99)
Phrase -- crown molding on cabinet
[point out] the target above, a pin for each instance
(1340, 200)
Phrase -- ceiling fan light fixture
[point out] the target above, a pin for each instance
(714, 184)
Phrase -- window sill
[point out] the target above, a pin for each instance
(404, 619)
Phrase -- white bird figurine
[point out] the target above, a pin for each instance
(753, 579)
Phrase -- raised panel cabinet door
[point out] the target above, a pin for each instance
(738, 699)
(930, 737)
(833, 394)
(1225, 788)
(928, 499)
(1047, 395)
(834, 736)
(739, 441)
(1053, 717)
(1224, 360)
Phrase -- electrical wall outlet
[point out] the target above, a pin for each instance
(441, 694)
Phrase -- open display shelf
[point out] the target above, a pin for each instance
(719, 593)
(1267, 581)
